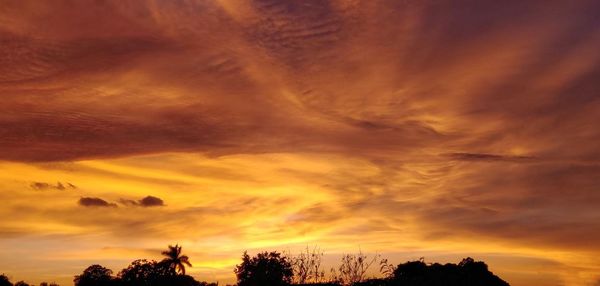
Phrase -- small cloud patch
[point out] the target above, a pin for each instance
(151, 201)
(43, 186)
(148, 201)
(127, 202)
(95, 202)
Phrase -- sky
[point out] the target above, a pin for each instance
(431, 128)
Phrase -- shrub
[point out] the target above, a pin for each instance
(266, 268)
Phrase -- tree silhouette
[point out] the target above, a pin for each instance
(142, 272)
(4, 281)
(467, 272)
(266, 268)
(175, 259)
(95, 275)
(276, 269)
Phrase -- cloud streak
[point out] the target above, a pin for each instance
(42, 186)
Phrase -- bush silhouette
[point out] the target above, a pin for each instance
(94, 275)
(275, 269)
(266, 268)
(307, 266)
(353, 268)
(142, 272)
(4, 281)
(467, 273)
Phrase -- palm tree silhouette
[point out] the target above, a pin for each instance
(175, 260)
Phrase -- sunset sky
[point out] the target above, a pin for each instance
(410, 128)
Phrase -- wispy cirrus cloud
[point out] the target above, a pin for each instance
(433, 92)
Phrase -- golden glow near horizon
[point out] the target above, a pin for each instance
(404, 128)
(219, 207)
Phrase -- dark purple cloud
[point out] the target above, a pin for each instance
(41, 186)
(358, 79)
(151, 201)
(148, 201)
(95, 202)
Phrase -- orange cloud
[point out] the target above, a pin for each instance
(406, 127)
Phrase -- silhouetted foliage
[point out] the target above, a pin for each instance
(373, 282)
(4, 281)
(386, 268)
(353, 268)
(307, 266)
(95, 275)
(320, 284)
(186, 280)
(174, 258)
(467, 273)
(266, 268)
(142, 272)
(275, 269)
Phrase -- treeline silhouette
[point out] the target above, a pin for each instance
(281, 269)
